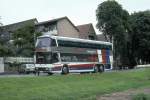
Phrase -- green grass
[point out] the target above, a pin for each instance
(71, 87)
(141, 96)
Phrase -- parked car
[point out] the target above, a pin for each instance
(27, 68)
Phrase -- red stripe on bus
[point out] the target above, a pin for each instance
(84, 65)
(103, 56)
(81, 66)
(57, 68)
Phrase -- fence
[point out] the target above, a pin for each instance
(19, 60)
(6, 63)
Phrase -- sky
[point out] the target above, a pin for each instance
(78, 11)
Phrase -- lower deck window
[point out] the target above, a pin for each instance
(67, 57)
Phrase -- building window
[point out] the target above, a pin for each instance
(48, 29)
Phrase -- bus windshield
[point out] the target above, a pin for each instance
(45, 42)
(46, 57)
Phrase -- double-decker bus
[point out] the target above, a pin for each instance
(55, 54)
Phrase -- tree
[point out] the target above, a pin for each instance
(113, 22)
(24, 40)
(140, 36)
(109, 16)
(4, 49)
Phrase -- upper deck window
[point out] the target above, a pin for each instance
(65, 43)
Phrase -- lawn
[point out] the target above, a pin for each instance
(71, 87)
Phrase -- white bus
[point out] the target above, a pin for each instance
(55, 54)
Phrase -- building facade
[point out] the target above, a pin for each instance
(7, 30)
(86, 31)
(101, 37)
(59, 27)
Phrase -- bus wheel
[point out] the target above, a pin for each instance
(96, 69)
(65, 70)
(27, 72)
(101, 68)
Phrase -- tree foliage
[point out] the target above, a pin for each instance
(131, 33)
(140, 36)
(24, 40)
(110, 17)
(4, 49)
(113, 22)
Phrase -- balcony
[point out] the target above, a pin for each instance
(52, 32)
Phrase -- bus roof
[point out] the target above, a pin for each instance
(76, 40)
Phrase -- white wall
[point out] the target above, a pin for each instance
(1, 64)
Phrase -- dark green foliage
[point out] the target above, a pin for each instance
(131, 33)
(110, 17)
(113, 22)
(5, 48)
(24, 40)
(140, 36)
(141, 97)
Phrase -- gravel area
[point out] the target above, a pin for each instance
(125, 95)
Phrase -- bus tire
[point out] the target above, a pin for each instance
(101, 68)
(65, 70)
(27, 72)
(96, 69)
